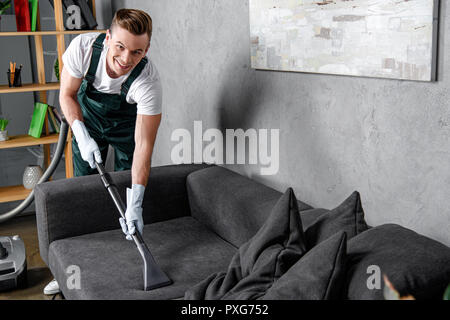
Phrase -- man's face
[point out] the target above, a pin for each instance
(125, 50)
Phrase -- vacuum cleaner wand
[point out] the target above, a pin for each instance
(154, 277)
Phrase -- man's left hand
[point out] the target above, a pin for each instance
(133, 214)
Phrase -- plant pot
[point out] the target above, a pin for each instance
(3, 135)
(31, 176)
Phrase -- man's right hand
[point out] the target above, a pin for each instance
(88, 147)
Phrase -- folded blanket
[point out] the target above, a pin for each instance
(278, 245)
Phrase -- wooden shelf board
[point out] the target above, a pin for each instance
(25, 140)
(13, 193)
(30, 87)
(46, 33)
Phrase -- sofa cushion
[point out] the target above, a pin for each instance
(413, 263)
(262, 260)
(348, 217)
(318, 275)
(111, 267)
(234, 206)
(73, 207)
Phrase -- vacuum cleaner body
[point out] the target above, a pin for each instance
(13, 263)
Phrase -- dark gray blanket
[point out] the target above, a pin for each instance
(260, 261)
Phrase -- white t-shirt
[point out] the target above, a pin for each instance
(145, 90)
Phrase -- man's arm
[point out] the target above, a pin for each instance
(68, 97)
(72, 112)
(145, 136)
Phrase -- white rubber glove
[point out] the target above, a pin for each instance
(88, 147)
(133, 215)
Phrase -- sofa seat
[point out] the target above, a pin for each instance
(111, 267)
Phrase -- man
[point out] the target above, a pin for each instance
(111, 94)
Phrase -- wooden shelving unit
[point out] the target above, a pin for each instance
(25, 140)
(30, 87)
(14, 193)
(46, 33)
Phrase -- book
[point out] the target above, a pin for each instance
(37, 120)
(57, 115)
(52, 119)
(68, 3)
(33, 5)
(22, 11)
(87, 14)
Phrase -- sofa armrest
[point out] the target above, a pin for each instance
(73, 207)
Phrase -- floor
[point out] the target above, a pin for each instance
(38, 273)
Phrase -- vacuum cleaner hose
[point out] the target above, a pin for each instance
(47, 174)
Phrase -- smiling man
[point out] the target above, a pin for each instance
(111, 94)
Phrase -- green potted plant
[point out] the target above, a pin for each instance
(3, 131)
(3, 6)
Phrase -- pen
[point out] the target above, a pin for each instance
(11, 73)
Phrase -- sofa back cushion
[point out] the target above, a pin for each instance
(233, 206)
(348, 217)
(414, 264)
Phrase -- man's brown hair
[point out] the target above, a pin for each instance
(134, 21)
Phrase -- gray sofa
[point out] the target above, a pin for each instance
(196, 217)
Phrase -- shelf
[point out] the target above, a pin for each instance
(47, 33)
(25, 140)
(30, 87)
(13, 193)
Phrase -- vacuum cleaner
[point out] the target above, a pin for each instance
(154, 277)
(13, 263)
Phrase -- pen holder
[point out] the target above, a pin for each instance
(14, 78)
(18, 79)
(10, 78)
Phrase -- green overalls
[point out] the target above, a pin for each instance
(109, 119)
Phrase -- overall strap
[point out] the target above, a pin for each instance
(134, 74)
(97, 48)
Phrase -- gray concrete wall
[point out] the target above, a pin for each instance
(388, 139)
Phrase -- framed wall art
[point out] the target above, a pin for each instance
(371, 38)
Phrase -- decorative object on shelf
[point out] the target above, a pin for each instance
(14, 75)
(33, 5)
(3, 131)
(22, 10)
(31, 176)
(37, 121)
